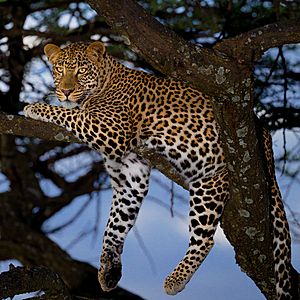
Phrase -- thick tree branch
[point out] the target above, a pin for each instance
(250, 46)
(16, 125)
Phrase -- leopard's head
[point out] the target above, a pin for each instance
(77, 69)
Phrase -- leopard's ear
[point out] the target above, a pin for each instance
(52, 52)
(95, 51)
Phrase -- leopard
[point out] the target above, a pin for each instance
(115, 109)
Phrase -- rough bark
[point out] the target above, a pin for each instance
(213, 71)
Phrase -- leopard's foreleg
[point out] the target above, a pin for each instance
(130, 180)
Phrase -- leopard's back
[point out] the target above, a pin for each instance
(177, 121)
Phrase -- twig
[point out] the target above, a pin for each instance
(71, 220)
(144, 249)
(172, 198)
(285, 88)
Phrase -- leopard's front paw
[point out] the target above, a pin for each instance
(32, 111)
(110, 270)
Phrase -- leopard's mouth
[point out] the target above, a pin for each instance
(74, 97)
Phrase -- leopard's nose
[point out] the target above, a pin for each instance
(67, 92)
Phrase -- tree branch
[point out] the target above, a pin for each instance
(282, 117)
(24, 280)
(249, 47)
(16, 125)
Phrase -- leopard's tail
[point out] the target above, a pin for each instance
(284, 272)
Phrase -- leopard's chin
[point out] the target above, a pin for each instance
(70, 104)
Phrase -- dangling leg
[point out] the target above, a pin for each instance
(129, 181)
(207, 199)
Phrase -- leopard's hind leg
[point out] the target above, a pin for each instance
(207, 199)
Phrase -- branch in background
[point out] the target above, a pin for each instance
(86, 31)
(83, 185)
(21, 280)
(282, 117)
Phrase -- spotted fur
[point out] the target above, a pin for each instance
(120, 109)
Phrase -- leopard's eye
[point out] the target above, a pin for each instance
(82, 70)
(59, 69)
